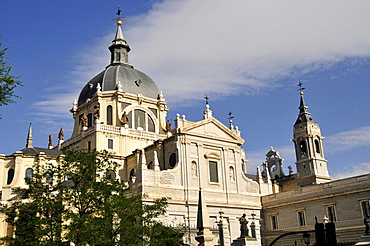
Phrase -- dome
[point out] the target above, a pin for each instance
(120, 71)
(132, 81)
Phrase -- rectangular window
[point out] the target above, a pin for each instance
(89, 145)
(301, 218)
(109, 115)
(365, 207)
(213, 172)
(330, 210)
(274, 222)
(110, 143)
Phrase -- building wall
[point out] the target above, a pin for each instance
(344, 196)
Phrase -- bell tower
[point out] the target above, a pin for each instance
(311, 164)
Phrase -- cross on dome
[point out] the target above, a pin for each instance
(119, 19)
(301, 88)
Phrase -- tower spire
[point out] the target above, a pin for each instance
(29, 137)
(119, 48)
(303, 116)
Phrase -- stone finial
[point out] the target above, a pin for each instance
(50, 145)
(155, 161)
(290, 168)
(98, 88)
(161, 97)
(29, 143)
(74, 108)
(143, 160)
(61, 134)
(119, 86)
(207, 113)
(259, 175)
(61, 138)
(268, 177)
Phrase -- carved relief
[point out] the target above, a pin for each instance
(167, 178)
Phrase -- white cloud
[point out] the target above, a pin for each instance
(191, 48)
(352, 170)
(348, 140)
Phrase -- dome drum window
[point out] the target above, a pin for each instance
(140, 120)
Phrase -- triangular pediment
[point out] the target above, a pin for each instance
(212, 128)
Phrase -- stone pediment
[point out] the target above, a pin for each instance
(212, 128)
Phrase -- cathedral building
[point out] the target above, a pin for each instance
(122, 110)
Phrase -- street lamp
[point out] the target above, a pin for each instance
(306, 238)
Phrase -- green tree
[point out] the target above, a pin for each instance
(7, 82)
(81, 201)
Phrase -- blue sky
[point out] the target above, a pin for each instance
(247, 56)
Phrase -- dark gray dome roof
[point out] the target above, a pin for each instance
(132, 81)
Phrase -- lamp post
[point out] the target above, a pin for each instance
(306, 238)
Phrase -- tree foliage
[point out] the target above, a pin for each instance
(7, 82)
(81, 201)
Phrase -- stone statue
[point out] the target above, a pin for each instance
(231, 173)
(168, 126)
(50, 141)
(243, 226)
(194, 169)
(124, 118)
(97, 111)
(84, 120)
(61, 134)
(367, 225)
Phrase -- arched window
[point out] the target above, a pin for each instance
(150, 165)
(139, 119)
(10, 176)
(109, 115)
(29, 173)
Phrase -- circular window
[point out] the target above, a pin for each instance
(173, 160)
